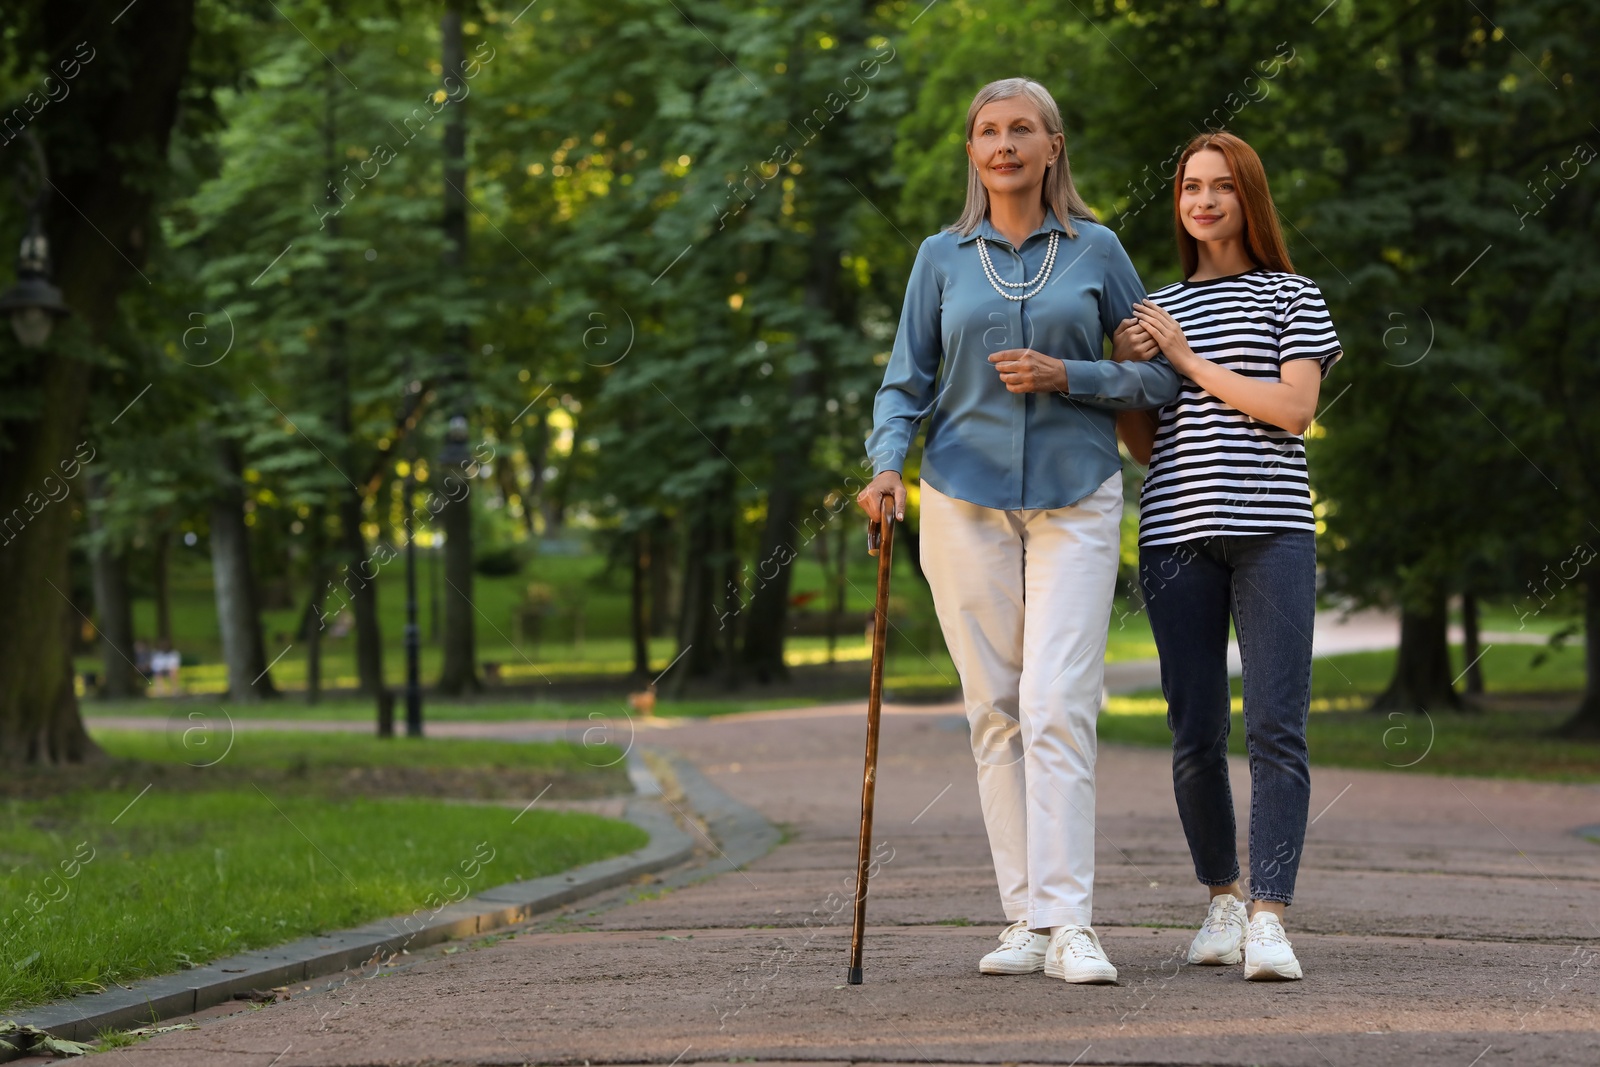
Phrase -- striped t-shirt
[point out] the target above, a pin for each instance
(1213, 469)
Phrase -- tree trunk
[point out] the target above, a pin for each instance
(460, 671)
(660, 540)
(238, 617)
(113, 609)
(697, 614)
(825, 565)
(639, 609)
(732, 597)
(1470, 650)
(505, 477)
(91, 138)
(164, 587)
(39, 720)
(1585, 722)
(841, 585)
(767, 619)
(359, 573)
(535, 442)
(1421, 679)
(360, 581)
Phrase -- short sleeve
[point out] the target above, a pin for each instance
(1307, 331)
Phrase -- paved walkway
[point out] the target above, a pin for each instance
(1440, 921)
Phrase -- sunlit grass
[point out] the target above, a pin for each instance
(1341, 733)
(179, 865)
(96, 899)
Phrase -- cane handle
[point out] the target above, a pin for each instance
(875, 526)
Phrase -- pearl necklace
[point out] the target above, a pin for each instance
(1037, 282)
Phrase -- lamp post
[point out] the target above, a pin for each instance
(413, 400)
(33, 303)
(455, 452)
(413, 638)
(457, 673)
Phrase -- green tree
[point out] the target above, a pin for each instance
(105, 146)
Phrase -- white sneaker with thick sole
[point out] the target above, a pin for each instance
(1220, 941)
(1075, 955)
(1021, 951)
(1268, 956)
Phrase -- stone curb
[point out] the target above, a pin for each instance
(153, 999)
(742, 833)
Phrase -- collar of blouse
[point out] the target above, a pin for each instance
(986, 230)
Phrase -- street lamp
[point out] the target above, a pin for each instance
(413, 638)
(33, 303)
(455, 453)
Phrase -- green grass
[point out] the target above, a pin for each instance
(185, 878)
(312, 752)
(1491, 744)
(188, 758)
(1512, 738)
(1525, 616)
(1506, 669)
(144, 865)
(1349, 681)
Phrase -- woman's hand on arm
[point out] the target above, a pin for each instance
(1023, 370)
(1132, 343)
(871, 497)
(1290, 403)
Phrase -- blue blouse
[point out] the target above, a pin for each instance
(988, 446)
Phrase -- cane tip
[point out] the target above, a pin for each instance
(855, 976)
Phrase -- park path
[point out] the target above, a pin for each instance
(1440, 920)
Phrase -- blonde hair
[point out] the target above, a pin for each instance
(1057, 192)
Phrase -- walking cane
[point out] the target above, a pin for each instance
(880, 543)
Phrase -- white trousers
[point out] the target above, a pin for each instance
(1024, 600)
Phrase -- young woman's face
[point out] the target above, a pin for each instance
(1208, 201)
(1010, 147)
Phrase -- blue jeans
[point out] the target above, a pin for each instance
(1267, 583)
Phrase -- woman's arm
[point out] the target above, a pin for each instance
(1121, 383)
(1118, 383)
(1138, 431)
(1289, 403)
(907, 394)
(1132, 343)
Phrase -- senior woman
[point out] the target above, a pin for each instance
(1000, 350)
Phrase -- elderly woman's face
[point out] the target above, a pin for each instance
(1009, 145)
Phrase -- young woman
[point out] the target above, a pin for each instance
(999, 350)
(1226, 528)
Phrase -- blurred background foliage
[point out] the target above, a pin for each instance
(647, 261)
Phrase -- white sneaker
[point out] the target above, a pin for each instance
(1268, 956)
(1021, 951)
(1075, 955)
(1221, 937)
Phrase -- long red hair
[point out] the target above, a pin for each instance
(1263, 240)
